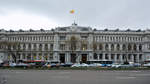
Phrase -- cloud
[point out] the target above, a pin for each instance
(87, 12)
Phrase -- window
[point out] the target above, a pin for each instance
(140, 47)
(112, 56)
(140, 57)
(129, 47)
(124, 47)
(95, 56)
(62, 37)
(106, 47)
(51, 47)
(19, 47)
(29, 46)
(100, 56)
(129, 56)
(34, 46)
(40, 46)
(134, 47)
(46, 47)
(118, 47)
(100, 47)
(51, 56)
(112, 47)
(62, 46)
(106, 56)
(118, 56)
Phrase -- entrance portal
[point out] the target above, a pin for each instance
(73, 58)
(62, 58)
(84, 58)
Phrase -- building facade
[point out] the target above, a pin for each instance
(75, 44)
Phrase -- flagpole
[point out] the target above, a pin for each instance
(72, 12)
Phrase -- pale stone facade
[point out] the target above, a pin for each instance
(90, 44)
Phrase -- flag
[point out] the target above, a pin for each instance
(72, 11)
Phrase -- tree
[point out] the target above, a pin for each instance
(94, 46)
(6, 46)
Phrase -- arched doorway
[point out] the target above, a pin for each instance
(73, 58)
(62, 58)
(84, 58)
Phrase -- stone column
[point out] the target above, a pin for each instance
(137, 46)
(115, 58)
(48, 47)
(21, 57)
(121, 47)
(115, 47)
(109, 47)
(32, 46)
(21, 45)
(121, 60)
(43, 47)
(98, 56)
(137, 58)
(26, 46)
(91, 55)
(132, 58)
(103, 58)
(11, 59)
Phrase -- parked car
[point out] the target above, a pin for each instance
(106, 65)
(12, 64)
(95, 65)
(66, 64)
(136, 64)
(115, 65)
(146, 65)
(76, 65)
(80, 65)
(22, 65)
(84, 65)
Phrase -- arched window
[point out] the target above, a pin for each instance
(112, 47)
(34, 46)
(40, 46)
(29, 46)
(129, 47)
(106, 47)
(134, 47)
(118, 47)
(140, 47)
(19, 47)
(100, 47)
(14, 47)
(24, 46)
(46, 46)
(95, 56)
(124, 47)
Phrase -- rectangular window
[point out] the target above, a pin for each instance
(100, 56)
(62, 37)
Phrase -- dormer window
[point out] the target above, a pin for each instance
(84, 29)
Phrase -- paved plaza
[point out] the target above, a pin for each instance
(73, 77)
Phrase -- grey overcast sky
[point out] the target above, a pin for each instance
(100, 14)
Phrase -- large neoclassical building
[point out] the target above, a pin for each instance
(76, 44)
